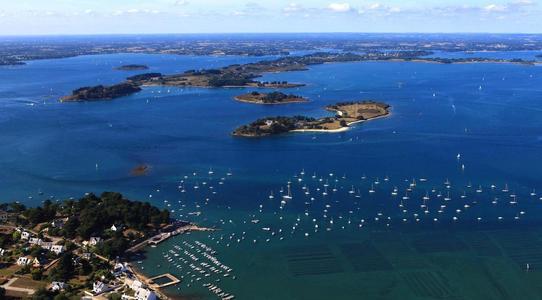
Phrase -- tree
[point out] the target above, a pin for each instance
(37, 274)
(61, 296)
(114, 296)
(64, 269)
(2, 292)
(42, 294)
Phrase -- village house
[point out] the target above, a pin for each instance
(94, 240)
(2, 251)
(119, 269)
(133, 283)
(145, 294)
(46, 245)
(99, 287)
(58, 223)
(24, 260)
(116, 227)
(36, 262)
(35, 241)
(25, 235)
(57, 249)
(57, 286)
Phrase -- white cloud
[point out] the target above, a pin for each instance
(339, 7)
(495, 8)
(292, 8)
(180, 2)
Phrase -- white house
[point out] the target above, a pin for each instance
(46, 245)
(119, 269)
(114, 228)
(57, 286)
(94, 240)
(35, 241)
(2, 251)
(145, 294)
(135, 285)
(24, 260)
(99, 287)
(59, 223)
(3, 216)
(25, 235)
(57, 249)
(36, 262)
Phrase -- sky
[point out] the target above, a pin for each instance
(39, 17)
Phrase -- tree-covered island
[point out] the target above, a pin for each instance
(132, 67)
(347, 113)
(270, 98)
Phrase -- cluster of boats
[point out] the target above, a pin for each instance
(198, 261)
(310, 204)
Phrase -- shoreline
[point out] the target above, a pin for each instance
(342, 129)
(302, 100)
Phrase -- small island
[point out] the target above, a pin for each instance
(270, 98)
(101, 92)
(131, 68)
(347, 114)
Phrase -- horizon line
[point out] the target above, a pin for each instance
(264, 33)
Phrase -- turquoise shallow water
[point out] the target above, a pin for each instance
(363, 247)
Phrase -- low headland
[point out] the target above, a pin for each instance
(83, 247)
(270, 98)
(101, 92)
(347, 114)
(133, 67)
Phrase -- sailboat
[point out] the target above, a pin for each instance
(426, 197)
(372, 190)
(271, 195)
(289, 195)
(351, 191)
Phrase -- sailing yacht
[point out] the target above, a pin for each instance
(289, 195)
(325, 191)
(505, 189)
(271, 195)
(352, 190)
(426, 197)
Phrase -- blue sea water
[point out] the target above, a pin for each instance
(487, 113)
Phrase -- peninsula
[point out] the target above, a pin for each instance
(82, 247)
(245, 75)
(132, 68)
(347, 114)
(270, 98)
(101, 92)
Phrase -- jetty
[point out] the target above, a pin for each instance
(174, 229)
